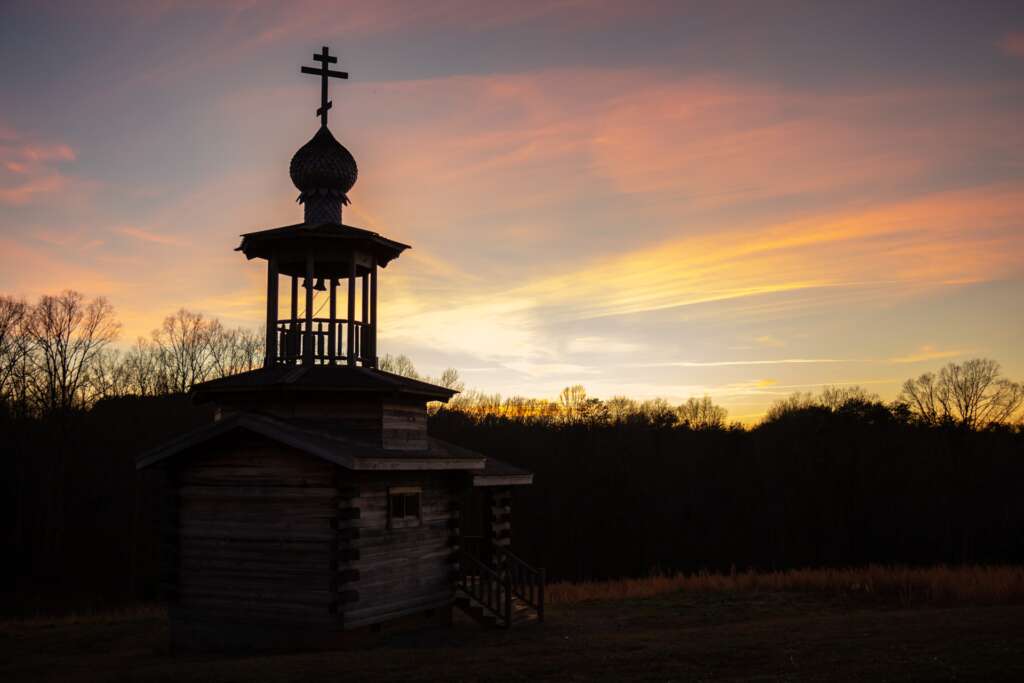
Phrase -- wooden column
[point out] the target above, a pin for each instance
(351, 327)
(307, 334)
(295, 298)
(332, 340)
(292, 346)
(365, 348)
(271, 342)
(373, 313)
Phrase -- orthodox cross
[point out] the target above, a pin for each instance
(325, 58)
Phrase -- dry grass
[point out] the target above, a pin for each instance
(906, 586)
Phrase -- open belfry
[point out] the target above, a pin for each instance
(316, 502)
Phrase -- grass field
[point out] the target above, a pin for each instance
(714, 628)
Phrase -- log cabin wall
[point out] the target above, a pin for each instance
(359, 418)
(253, 543)
(404, 570)
(269, 546)
(404, 425)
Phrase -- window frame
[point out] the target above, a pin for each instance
(405, 520)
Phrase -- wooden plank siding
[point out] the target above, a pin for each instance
(404, 426)
(254, 535)
(410, 569)
(260, 533)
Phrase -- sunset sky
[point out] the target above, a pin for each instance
(650, 199)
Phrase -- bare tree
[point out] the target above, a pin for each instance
(13, 345)
(67, 333)
(621, 409)
(573, 403)
(702, 413)
(398, 365)
(973, 394)
(183, 350)
(233, 351)
(108, 375)
(793, 403)
(837, 397)
(450, 380)
(141, 369)
(658, 412)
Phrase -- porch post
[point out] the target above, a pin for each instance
(373, 313)
(271, 341)
(307, 334)
(351, 326)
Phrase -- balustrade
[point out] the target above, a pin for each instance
(330, 341)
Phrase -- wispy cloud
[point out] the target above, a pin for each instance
(30, 168)
(149, 236)
(928, 352)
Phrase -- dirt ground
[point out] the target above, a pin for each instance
(680, 637)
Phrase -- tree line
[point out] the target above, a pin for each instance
(621, 486)
(57, 355)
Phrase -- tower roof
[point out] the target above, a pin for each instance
(323, 167)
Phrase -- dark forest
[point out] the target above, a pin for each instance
(811, 487)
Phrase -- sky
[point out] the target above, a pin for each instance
(651, 199)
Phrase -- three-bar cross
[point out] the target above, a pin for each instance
(324, 73)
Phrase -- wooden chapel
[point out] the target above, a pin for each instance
(316, 503)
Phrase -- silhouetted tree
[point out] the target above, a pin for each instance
(398, 365)
(66, 334)
(702, 413)
(973, 394)
(13, 346)
(837, 397)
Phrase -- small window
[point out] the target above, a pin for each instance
(403, 507)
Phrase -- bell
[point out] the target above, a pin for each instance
(319, 286)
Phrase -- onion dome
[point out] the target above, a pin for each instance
(323, 171)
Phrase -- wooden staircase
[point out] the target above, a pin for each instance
(510, 593)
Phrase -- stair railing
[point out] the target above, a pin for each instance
(490, 589)
(525, 582)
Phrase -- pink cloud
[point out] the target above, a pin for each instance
(1012, 44)
(148, 236)
(31, 168)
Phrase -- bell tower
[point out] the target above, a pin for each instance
(321, 358)
(321, 256)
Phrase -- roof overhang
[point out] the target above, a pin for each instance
(343, 452)
(335, 247)
(484, 480)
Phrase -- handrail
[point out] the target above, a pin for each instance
(525, 582)
(284, 322)
(494, 587)
(326, 340)
(489, 588)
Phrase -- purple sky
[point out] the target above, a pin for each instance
(650, 199)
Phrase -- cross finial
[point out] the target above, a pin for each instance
(325, 57)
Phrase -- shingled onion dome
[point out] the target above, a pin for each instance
(324, 171)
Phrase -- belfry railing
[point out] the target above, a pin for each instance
(330, 341)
